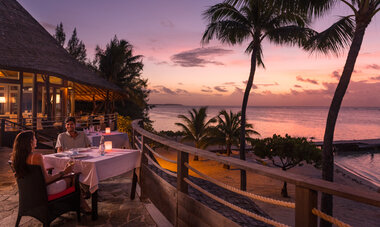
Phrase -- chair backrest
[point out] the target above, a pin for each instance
(32, 189)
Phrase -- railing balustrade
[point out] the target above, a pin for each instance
(41, 124)
(306, 198)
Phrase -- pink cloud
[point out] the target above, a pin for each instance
(299, 78)
(373, 66)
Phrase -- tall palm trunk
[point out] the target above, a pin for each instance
(196, 158)
(327, 155)
(243, 174)
(228, 150)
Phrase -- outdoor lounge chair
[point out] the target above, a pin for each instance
(34, 200)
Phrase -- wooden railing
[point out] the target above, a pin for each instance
(169, 200)
(41, 124)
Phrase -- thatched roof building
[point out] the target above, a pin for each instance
(26, 46)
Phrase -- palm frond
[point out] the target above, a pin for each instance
(224, 11)
(290, 35)
(334, 39)
(227, 31)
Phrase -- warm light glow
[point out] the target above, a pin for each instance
(108, 145)
(58, 98)
(108, 130)
(2, 99)
(13, 99)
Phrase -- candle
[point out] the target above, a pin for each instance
(108, 145)
(108, 130)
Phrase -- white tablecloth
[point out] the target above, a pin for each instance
(119, 139)
(95, 167)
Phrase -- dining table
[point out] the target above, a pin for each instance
(119, 139)
(95, 167)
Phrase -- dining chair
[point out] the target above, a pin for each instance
(34, 200)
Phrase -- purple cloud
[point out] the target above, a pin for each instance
(375, 78)
(220, 89)
(336, 75)
(199, 57)
(167, 23)
(181, 91)
(297, 86)
(299, 78)
(373, 66)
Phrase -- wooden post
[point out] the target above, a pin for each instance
(144, 162)
(116, 118)
(48, 103)
(64, 100)
(34, 101)
(61, 94)
(2, 132)
(182, 171)
(43, 101)
(306, 200)
(19, 101)
(53, 109)
(72, 102)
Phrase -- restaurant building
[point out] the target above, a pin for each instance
(39, 80)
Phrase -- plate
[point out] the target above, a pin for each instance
(60, 155)
(83, 149)
(79, 156)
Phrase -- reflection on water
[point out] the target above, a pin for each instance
(353, 123)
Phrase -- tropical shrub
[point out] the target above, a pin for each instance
(287, 152)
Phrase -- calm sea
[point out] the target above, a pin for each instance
(353, 123)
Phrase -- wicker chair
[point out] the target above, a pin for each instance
(34, 200)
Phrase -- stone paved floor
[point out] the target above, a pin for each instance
(115, 207)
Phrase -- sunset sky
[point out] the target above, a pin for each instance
(179, 70)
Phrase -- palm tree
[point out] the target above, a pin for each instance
(337, 35)
(234, 22)
(227, 131)
(118, 65)
(196, 128)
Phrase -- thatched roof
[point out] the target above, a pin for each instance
(26, 46)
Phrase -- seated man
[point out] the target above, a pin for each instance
(71, 138)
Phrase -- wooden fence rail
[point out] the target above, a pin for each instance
(306, 198)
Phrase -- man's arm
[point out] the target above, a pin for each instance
(58, 145)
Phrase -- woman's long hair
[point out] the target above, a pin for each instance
(22, 147)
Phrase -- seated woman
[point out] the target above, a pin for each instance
(23, 155)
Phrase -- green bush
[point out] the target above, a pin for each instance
(287, 152)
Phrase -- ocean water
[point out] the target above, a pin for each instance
(353, 123)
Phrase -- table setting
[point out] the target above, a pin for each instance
(119, 139)
(95, 165)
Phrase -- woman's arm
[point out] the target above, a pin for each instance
(49, 178)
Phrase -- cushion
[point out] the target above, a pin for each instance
(62, 193)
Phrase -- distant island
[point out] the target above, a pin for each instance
(167, 104)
